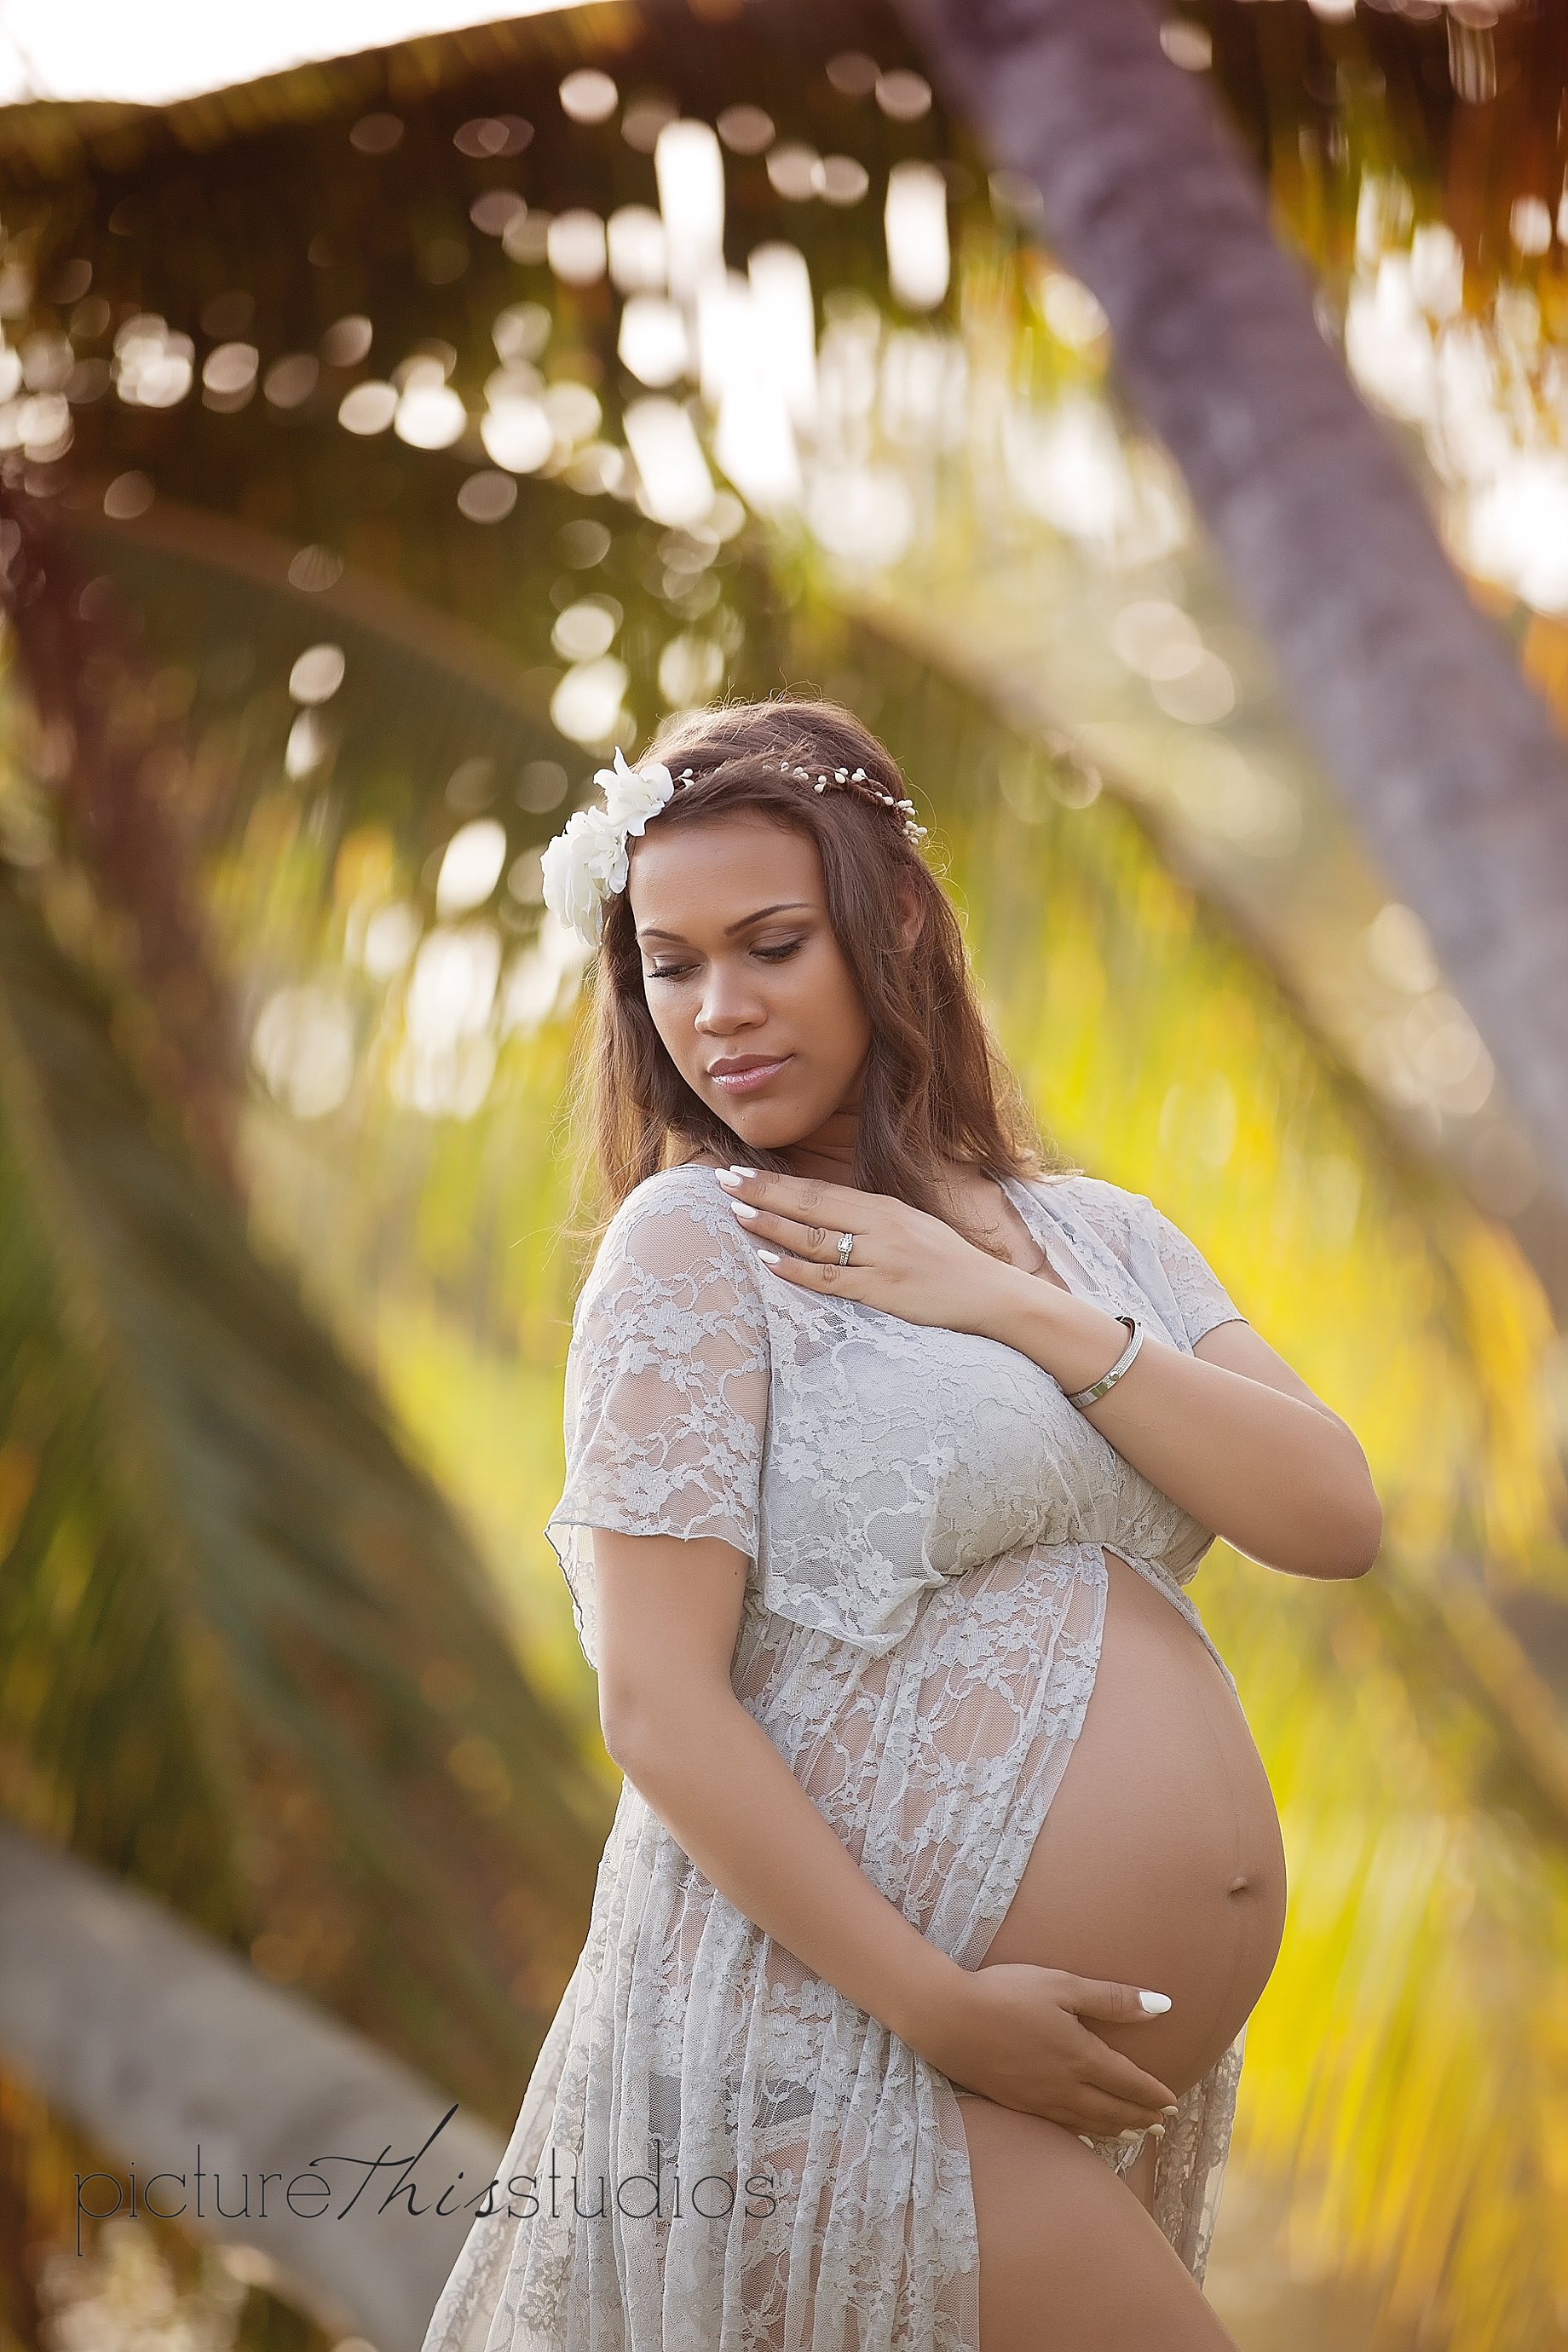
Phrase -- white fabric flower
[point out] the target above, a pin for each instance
(582, 867)
(587, 863)
(634, 794)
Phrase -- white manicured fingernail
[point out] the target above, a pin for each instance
(769, 1258)
(729, 1175)
(1154, 2004)
(744, 1208)
(742, 1172)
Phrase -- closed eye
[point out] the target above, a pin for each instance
(769, 955)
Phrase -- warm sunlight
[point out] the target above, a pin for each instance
(175, 48)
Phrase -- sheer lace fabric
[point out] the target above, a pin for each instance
(716, 2151)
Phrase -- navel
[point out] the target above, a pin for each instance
(1239, 1883)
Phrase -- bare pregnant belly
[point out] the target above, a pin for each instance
(1160, 1863)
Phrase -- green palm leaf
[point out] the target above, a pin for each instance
(250, 1660)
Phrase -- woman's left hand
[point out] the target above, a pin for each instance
(900, 1259)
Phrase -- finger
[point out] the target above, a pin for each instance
(809, 1198)
(1106, 2118)
(1113, 2073)
(833, 1281)
(1114, 2004)
(1091, 2111)
(819, 1242)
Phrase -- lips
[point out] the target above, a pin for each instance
(739, 1073)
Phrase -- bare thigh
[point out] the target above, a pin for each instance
(1159, 1864)
(1070, 2259)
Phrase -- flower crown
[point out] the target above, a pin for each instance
(588, 862)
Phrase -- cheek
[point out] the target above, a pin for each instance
(831, 1001)
(672, 1018)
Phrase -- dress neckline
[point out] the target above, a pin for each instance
(1046, 1227)
(1043, 1223)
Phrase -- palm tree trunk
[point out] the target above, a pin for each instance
(1446, 757)
(166, 2050)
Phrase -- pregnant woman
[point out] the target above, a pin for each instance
(945, 1873)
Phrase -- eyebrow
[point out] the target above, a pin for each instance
(784, 907)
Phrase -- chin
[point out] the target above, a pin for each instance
(766, 1127)
(765, 1134)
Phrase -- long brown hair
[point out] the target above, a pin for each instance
(936, 1087)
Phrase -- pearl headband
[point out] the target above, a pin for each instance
(588, 862)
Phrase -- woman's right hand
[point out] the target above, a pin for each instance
(1016, 2034)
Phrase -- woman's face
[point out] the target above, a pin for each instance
(746, 984)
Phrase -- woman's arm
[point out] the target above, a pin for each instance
(668, 1613)
(1230, 1432)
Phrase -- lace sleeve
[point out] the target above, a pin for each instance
(1171, 1275)
(666, 1385)
(1202, 1301)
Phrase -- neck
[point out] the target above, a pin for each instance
(828, 1153)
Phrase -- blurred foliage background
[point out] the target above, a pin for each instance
(370, 471)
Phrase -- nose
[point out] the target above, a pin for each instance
(730, 1003)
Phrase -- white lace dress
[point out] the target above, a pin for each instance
(718, 2152)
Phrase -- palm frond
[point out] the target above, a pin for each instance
(250, 1661)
